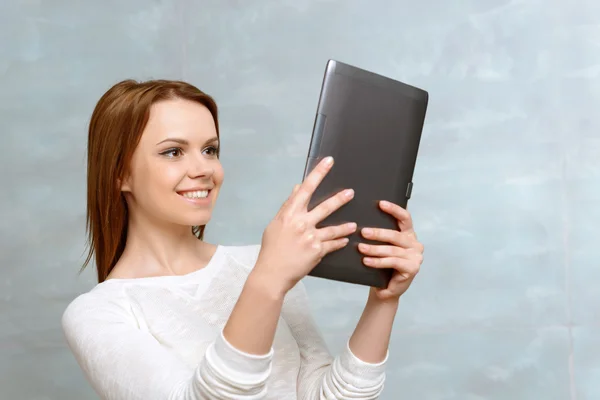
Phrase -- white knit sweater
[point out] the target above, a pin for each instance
(161, 338)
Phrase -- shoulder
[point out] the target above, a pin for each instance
(95, 310)
(245, 256)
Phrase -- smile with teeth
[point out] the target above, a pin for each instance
(198, 194)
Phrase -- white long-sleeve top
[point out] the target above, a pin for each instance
(161, 338)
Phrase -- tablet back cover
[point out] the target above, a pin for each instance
(372, 127)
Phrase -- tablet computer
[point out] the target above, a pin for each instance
(371, 125)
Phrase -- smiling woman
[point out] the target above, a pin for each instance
(137, 138)
(175, 317)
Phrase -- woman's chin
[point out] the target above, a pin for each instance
(198, 221)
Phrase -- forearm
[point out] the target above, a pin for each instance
(321, 376)
(359, 371)
(371, 338)
(253, 321)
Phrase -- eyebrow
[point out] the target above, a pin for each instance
(184, 142)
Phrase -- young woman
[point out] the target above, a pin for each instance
(174, 317)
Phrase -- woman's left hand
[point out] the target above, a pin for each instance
(401, 251)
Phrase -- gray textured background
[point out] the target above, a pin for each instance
(506, 192)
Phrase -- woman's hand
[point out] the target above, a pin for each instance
(292, 245)
(402, 252)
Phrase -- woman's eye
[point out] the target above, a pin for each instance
(172, 153)
(211, 151)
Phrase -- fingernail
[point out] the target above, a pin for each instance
(367, 231)
(328, 160)
(363, 246)
(385, 204)
(349, 193)
(368, 260)
(352, 225)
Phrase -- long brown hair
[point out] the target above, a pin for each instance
(115, 130)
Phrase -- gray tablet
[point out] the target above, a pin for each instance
(372, 127)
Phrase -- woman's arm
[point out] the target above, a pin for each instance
(401, 251)
(291, 246)
(371, 338)
(358, 372)
(321, 376)
(253, 321)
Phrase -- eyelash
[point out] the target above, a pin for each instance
(168, 152)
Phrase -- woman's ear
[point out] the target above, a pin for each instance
(123, 184)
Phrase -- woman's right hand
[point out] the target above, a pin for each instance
(292, 245)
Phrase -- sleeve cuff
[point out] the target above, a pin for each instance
(236, 365)
(362, 372)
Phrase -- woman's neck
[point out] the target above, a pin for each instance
(155, 249)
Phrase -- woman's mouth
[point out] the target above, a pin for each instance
(195, 196)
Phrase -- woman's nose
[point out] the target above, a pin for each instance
(200, 167)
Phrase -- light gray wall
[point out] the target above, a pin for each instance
(507, 187)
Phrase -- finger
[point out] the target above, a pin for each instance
(382, 251)
(335, 232)
(333, 245)
(327, 207)
(310, 184)
(390, 236)
(403, 217)
(406, 268)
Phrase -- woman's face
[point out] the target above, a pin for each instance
(175, 174)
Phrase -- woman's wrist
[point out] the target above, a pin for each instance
(262, 281)
(376, 300)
